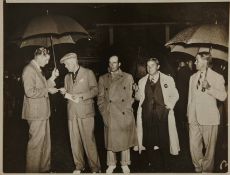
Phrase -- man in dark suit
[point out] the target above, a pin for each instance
(36, 110)
(80, 88)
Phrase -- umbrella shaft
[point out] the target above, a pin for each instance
(51, 41)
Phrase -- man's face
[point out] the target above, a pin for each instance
(152, 67)
(114, 64)
(70, 64)
(200, 63)
(43, 59)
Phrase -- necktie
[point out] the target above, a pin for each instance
(74, 75)
(199, 80)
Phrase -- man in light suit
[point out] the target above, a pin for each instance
(205, 87)
(80, 88)
(156, 128)
(36, 110)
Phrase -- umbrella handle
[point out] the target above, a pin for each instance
(51, 41)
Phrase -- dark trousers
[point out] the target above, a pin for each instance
(157, 160)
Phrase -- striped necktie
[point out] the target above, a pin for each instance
(199, 80)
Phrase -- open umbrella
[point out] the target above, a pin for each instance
(210, 34)
(193, 50)
(46, 42)
(48, 30)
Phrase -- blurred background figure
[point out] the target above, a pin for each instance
(184, 71)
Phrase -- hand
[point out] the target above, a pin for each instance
(62, 91)
(139, 148)
(205, 84)
(55, 74)
(77, 97)
(52, 90)
(167, 107)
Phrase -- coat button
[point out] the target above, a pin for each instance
(123, 113)
(122, 100)
(106, 89)
(124, 87)
(110, 101)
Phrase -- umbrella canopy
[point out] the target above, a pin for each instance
(53, 25)
(49, 30)
(46, 42)
(210, 34)
(193, 50)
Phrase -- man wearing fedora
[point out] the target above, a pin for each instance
(36, 110)
(205, 87)
(80, 89)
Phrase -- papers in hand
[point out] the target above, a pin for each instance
(69, 96)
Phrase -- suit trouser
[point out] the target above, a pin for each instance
(199, 134)
(39, 146)
(112, 159)
(81, 131)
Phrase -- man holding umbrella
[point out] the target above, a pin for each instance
(36, 110)
(205, 87)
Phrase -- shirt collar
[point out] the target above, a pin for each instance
(118, 73)
(202, 72)
(76, 72)
(154, 77)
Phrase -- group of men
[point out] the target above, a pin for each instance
(154, 130)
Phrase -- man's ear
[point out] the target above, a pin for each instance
(119, 64)
(158, 67)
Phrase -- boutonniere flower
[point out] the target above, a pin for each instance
(165, 85)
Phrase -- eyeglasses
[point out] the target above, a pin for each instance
(41, 51)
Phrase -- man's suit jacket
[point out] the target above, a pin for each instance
(86, 86)
(202, 106)
(170, 95)
(36, 104)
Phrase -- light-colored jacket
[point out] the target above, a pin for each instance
(202, 106)
(36, 104)
(86, 86)
(170, 95)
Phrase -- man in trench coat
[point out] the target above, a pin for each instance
(115, 105)
(36, 110)
(156, 127)
(81, 86)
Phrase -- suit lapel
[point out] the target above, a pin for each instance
(79, 75)
(69, 82)
(196, 77)
(209, 75)
(39, 73)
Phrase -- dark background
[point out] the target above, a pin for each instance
(139, 32)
